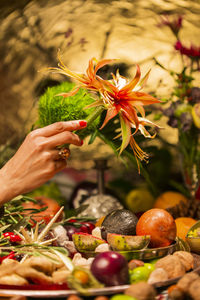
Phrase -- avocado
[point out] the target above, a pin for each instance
(120, 221)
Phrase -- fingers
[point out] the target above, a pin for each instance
(64, 138)
(60, 127)
(54, 155)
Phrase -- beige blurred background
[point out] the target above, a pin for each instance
(32, 31)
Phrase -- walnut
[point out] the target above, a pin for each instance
(158, 275)
(186, 258)
(194, 290)
(141, 291)
(172, 265)
(186, 281)
(176, 294)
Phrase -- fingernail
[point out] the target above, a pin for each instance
(83, 123)
(81, 142)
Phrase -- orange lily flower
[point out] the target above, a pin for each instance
(123, 98)
(90, 80)
(119, 97)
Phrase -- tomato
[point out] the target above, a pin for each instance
(46, 215)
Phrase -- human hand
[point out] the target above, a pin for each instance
(37, 160)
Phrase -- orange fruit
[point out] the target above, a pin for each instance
(169, 199)
(52, 207)
(99, 221)
(139, 200)
(183, 224)
(159, 224)
(81, 276)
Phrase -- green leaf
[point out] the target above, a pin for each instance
(74, 212)
(36, 210)
(93, 137)
(2, 228)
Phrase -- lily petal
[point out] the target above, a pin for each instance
(94, 104)
(133, 82)
(126, 133)
(143, 98)
(142, 82)
(102, 63)
(141, 110)
(71, 93)
(111, 113)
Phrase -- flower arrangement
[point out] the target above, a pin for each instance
(183, 111)
(117, 97)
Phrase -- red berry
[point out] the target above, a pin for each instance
(90, 226)
(83, 228)
(72, 221)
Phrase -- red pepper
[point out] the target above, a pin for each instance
(11, 255)
(12, 237)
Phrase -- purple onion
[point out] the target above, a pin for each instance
(110, 268)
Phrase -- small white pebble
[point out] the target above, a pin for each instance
(97, 232)
(69, 245)
(61, 234)
(102, 248)
(80, 261)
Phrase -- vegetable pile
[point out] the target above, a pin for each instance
(74, 253)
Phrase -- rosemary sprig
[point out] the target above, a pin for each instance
(34, 243)
(12, 213)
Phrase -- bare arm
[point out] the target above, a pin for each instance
(37, 159)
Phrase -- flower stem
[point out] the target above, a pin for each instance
(96, 113)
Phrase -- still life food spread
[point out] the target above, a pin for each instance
(81, 253)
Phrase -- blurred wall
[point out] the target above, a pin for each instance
(32, 31)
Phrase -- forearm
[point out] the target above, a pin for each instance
(7, 190)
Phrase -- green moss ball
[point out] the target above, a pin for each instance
(53, 108)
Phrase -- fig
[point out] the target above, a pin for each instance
(120, 242)
(86, 242)
(110, 268)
